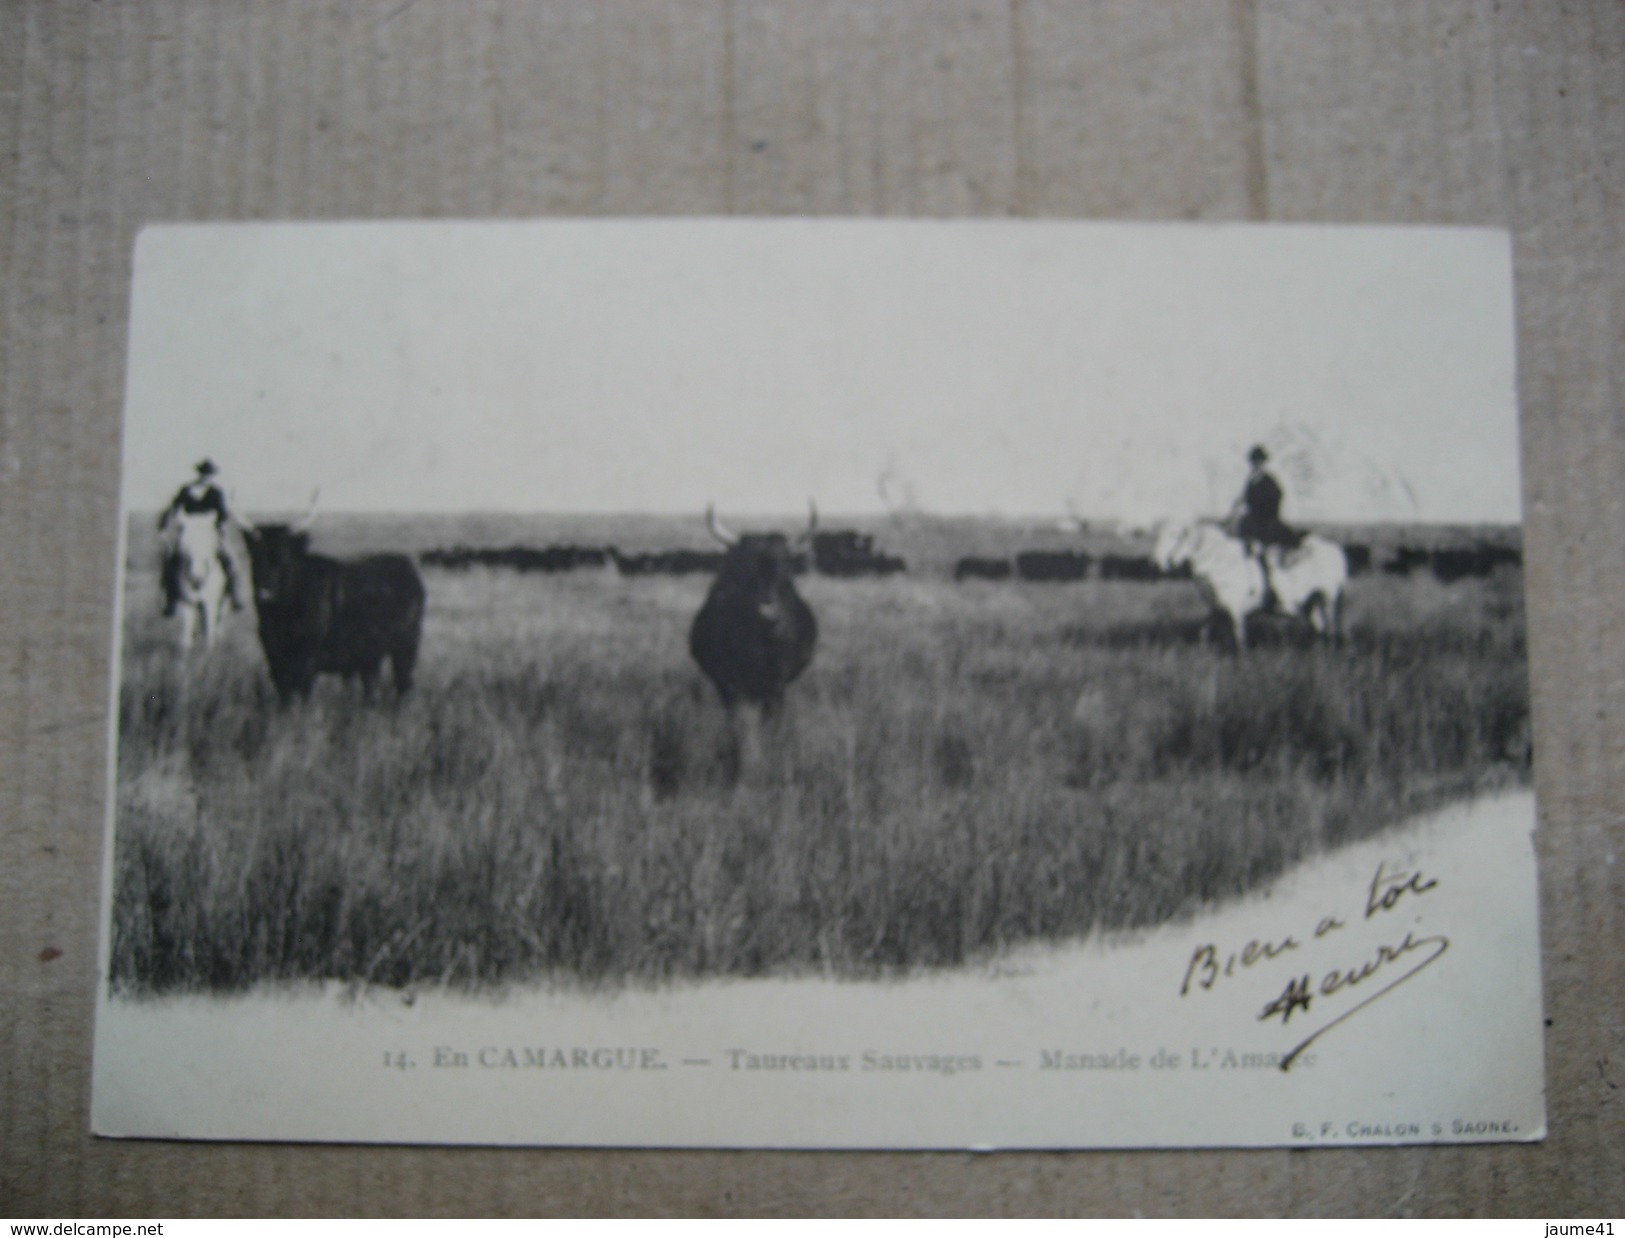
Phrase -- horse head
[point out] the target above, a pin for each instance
(1173, 545)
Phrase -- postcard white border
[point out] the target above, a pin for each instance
(1074, 1046)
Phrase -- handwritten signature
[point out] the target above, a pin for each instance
(1391, 963)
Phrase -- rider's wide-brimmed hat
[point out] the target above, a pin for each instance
(206, 468)
(1258, 455)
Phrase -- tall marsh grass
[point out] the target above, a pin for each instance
(964, 768)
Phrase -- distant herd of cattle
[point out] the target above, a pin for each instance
(845, 553)
(753, 635)
(839, 553)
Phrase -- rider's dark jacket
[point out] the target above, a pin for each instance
(1261, 512)
(192, 501)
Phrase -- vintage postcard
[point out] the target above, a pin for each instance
(821, 684)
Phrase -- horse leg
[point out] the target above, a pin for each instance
(209, 616)
(1314, 610)
(1324, 612)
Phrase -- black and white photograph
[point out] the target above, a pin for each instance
(815, 683)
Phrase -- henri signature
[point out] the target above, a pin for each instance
(1393, 963)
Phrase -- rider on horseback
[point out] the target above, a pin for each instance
(197, 496)
(1256, 519)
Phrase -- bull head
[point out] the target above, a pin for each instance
(274, 553)
(754, 634)
(730, 539)
(1172, 544)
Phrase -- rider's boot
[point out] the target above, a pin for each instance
(169, 586)
(1272, 602)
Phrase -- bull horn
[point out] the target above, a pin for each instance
(812, 523)
(883, 486)
(717, 531)
(246, 525)
(304, 522)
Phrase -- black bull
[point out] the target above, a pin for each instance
(754, 634)
(320, 615)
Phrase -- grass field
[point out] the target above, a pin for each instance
(964, 768)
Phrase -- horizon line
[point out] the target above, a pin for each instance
(1078, 522)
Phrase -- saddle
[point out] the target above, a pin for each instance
(1287, 554)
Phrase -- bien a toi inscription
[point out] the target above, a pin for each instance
(1349, 978)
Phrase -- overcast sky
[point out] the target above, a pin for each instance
(1016, 368)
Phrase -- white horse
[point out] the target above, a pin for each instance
(1306, 581)
(194, 579)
